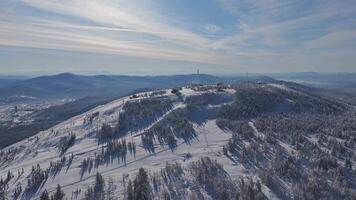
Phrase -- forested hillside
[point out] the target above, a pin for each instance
(252, 140)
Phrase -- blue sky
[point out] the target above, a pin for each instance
(177, 36)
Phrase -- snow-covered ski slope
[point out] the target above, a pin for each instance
(42, 149)
(75, 167)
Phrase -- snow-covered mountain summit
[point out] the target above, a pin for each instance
(178, 140)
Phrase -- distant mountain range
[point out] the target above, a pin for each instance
(5, 82)
(316, 77)
(74, 86)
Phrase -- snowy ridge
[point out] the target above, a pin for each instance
(262, 152)
(42, 148)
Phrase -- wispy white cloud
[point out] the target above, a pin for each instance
(129, 15)
(37, 37)
(335, 40)
(318, 27)
(137, 33)
(265, 32)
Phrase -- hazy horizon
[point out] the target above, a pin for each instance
(25, 75)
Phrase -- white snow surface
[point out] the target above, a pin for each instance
(41, 149)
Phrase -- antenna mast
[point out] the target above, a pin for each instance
(198, 81)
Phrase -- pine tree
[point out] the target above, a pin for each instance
(9, 176)
(259, 186)
(59, 194)
(89, 194)
(99, 186)
(225, 151)
(44, 195)
(130, 195)
(110, 190)
(348, 164)
(142, 188)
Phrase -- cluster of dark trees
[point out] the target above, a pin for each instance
(97, 191)
(4, 185)
(115, 149)
(250, 190)
(147, 139)
(136, 115)
(8, 155)
(140, 189)
(86, 165)
(301, 139)
(17, 191)
(169, 182)
(253, 100)
(211, 176)
(208, 176)
(171, 173)
(66, 142)
(323, 158)
(57, 195)
(141, 113)
(336, 133)
(100, 190)
(39, 176)
(106, 132)
(326, 128)
(201, 177)
(249, 102)
(35, 179)
(166, 184)
(174, 125)
(56, 166)
(305, 150)
(90, 118)
(236, 126)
